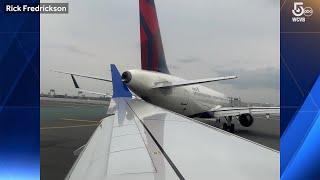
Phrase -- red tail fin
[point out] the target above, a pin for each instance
(152, 54)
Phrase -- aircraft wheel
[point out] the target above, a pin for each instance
(231, 128)
(225, 127)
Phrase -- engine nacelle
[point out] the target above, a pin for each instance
(141, 82)
(246, 120)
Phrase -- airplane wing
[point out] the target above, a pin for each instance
(143, 141)
(85, 76)
(191, 82)
(76, 85)
(236, 111)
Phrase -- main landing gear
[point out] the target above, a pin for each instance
(228, 126)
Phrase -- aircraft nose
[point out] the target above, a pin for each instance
(126, 77)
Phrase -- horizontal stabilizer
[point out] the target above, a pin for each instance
(191, 82)
(85, 76)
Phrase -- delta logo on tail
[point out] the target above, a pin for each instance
(152, 53)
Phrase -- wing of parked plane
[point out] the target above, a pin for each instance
(236, 111)
(143, 141)
(85, 76)
(192, 82)
(76, 85)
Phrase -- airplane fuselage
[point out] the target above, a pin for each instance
(191, 100)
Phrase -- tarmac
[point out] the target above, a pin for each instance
(65, 126)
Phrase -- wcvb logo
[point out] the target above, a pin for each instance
(300, 12)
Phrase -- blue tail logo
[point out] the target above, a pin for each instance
(119, 88)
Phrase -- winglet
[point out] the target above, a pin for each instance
(119, 88)
(75, 82)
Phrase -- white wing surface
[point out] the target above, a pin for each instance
(142, 141)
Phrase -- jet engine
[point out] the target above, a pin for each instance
(140, 82)
(246, 120)
(126, 77)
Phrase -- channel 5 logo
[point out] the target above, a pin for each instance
(300, 12)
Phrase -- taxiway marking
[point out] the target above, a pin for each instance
(80, 120)
(64, 127)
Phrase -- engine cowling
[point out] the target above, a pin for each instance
(126, 77)
(246, 120)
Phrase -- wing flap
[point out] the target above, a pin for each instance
(139, 162)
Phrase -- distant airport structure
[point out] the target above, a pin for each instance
(52, 94)
(234, 101)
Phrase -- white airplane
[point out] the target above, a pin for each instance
(151, 137)
(154, 84)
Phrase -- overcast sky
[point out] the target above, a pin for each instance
(202, 39)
